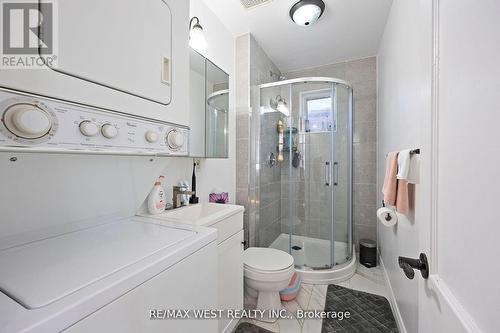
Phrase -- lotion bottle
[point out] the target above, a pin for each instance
(156, 198)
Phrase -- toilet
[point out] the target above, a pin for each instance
(267, 271)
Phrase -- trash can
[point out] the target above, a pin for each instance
(368, 252)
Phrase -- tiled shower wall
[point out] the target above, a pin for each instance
(253, 67)
(270, 212)
(362, 76)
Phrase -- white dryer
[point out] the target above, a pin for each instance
(121, 55)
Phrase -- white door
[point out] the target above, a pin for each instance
(459, 225)
(439, 90)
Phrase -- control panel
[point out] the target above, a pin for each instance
(28, 121)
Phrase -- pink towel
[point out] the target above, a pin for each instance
(402, 201)
(390, 187)
(395, 190)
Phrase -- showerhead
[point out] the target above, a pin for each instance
(278, 76)
(279, 104)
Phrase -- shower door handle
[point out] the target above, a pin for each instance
(328, 174)
(336, 173)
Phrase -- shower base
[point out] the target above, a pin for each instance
(311, 252)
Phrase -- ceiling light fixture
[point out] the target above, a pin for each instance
(196, 35)
(306, 12)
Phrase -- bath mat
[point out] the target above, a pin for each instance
(250, 328)
(369, 312)
(293, 288)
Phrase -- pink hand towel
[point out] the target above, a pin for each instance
(402, 201)
(395, 190)
(390, 188)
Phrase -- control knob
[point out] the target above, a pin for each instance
(89, 128)
(109, 131)
(28, 121)
(175, 139)
(151, 136)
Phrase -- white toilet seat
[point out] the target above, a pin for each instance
(267, 260)
(248, 268)
(285, 274)
(266, 264)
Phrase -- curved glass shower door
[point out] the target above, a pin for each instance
(310, 123)
(308, 174)
(342, 190)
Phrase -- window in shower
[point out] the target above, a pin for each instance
(317, 111)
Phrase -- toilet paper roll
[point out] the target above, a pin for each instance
(387, 216)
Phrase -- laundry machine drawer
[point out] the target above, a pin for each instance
(190, 284)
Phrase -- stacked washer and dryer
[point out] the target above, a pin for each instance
(80, 147)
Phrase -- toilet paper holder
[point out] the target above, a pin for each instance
(387, 215)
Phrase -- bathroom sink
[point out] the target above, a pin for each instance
(227, 219)
(204, 214)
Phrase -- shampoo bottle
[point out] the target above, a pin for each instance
(156, 198)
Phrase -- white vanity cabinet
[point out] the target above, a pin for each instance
(230, 270)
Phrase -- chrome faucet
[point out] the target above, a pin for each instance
(179, 190)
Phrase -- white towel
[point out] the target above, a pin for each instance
(403, 164)
(414, 172)
(408, 166)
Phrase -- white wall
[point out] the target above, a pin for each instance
(214, 174)
(63, 189)
(403, 113)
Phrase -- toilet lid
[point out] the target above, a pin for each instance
(267, 259)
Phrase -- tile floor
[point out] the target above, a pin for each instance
(312, 297)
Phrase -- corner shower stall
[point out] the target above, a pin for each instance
(301, 147)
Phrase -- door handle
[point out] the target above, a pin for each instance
(409, 265)
(336, 173)
(328, 174)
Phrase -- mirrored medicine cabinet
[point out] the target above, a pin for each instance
(208, 107)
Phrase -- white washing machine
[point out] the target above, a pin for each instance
(73, 257)
(109, 278)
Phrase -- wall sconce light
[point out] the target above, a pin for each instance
(196, 35)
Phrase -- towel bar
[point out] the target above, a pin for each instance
(412, 152)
